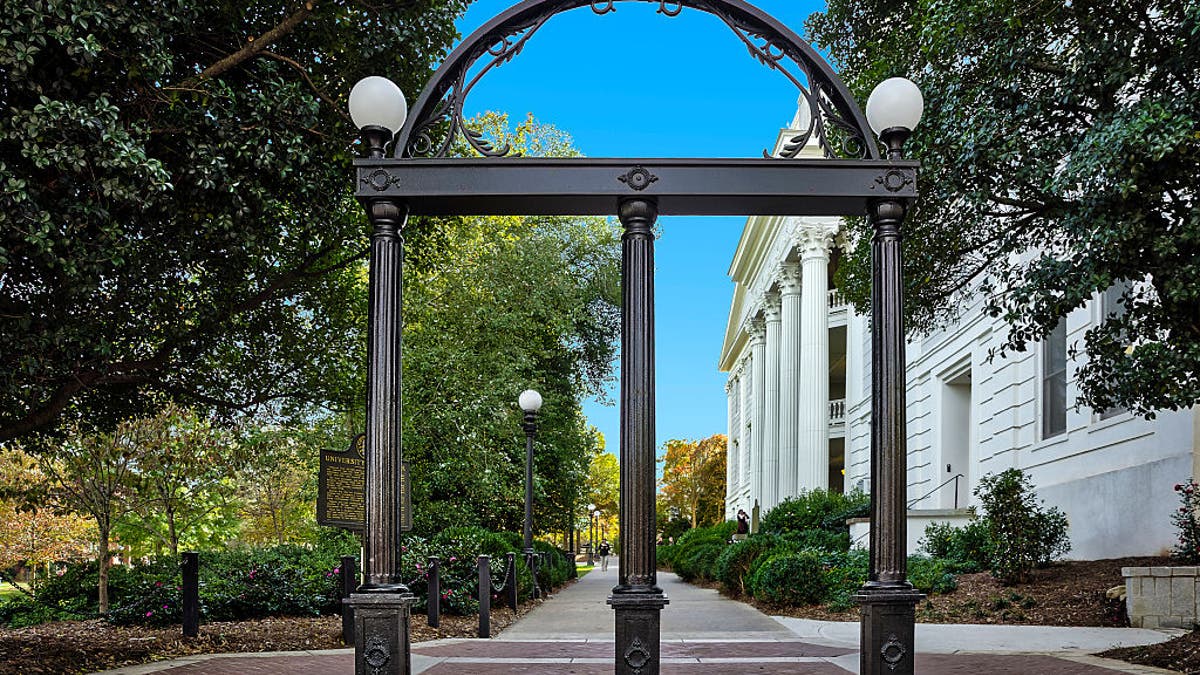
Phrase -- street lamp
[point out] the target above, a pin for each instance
(595, 532)
(531, 402)
(887, 599)
(382, 604)
(591, 533)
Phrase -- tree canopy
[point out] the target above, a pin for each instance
(1060, 146)
(499, 306)
(693, 479)
(176, 216)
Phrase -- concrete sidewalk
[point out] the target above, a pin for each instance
(706, 633)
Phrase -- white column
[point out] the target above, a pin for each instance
(770, 427)
(735, 436)
(730, 457)
(789, 378)
(758, 363)
(747, 431)
(814, 240)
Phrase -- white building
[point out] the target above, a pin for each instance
(799, 384)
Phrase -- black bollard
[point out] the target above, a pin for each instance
(191, 594)
(485, 597)
(533, 572)
(349, 583)
(510, 573)
(433, 594)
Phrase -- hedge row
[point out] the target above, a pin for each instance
(286, 580)
(800, 556)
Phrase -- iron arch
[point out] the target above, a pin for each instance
(437, 116)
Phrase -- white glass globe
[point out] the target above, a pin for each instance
(530, 401)
(377, 101)
(591, 507)
(895, 102)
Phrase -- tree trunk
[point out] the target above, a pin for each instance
(171, 533)
(105, 563)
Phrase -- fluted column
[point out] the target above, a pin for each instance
(814, 241)
(729, 449)
(769, 434)
(758, 362)
(746, 445)
(789, 378)
(637, 599)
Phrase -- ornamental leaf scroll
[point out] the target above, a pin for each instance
(436, 126)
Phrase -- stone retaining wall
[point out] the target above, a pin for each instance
(1162, 597)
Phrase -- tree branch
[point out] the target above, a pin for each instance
(341, 110)
(254, 46)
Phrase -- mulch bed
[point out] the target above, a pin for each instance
(89, 646)
(1070, 593)
(1182, 654)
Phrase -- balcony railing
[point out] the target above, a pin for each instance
(837, 411)
(836, 301)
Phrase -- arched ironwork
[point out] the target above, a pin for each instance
(437, 116)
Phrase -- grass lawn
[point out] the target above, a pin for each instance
(584, 569)
(7, 590)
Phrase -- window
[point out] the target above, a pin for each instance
(1112, 307)
(1054, 382)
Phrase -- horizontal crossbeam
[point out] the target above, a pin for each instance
(585, 186)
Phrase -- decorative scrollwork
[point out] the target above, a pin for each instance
(380, 180)
(893, 651)
(376, 654)
(638, 178)
(832, 119)
(674, 11)
(637, 656)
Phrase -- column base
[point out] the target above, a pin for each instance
(382, 645)
(886, 641)
(638, 620)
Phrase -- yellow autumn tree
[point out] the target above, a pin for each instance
(693, 479)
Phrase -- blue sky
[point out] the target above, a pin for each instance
(635, 83)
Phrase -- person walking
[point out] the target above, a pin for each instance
(605, 551)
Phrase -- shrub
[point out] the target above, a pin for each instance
(790, 579)
(1022, 534)
(821, 540)
(732, 567)
(965, 549)
(815, 510)
(695, 555)
(930, 575)
(845, 573)
(665, 556)
(1187, 520)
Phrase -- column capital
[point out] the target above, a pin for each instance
(814, 240)
(789, 278)
(729, 384)
(757, 328)
(772, 304)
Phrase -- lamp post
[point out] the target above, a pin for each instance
(591, 533)
(530, 402)
(595, 533)
(887, 599)
(423, 178)
(382, 604)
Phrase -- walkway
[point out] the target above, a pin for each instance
(704, 633)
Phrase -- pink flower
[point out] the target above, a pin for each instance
(149, 614)
(158, 584)
(337, 570)
(164, 606)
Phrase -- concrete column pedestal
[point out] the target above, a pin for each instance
(381, 633)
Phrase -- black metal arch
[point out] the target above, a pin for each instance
(437, 116)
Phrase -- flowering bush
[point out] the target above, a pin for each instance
(1187, 519)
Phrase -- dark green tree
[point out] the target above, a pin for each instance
(175, 217)
(1060, 149)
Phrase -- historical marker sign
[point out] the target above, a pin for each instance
(342, 488)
